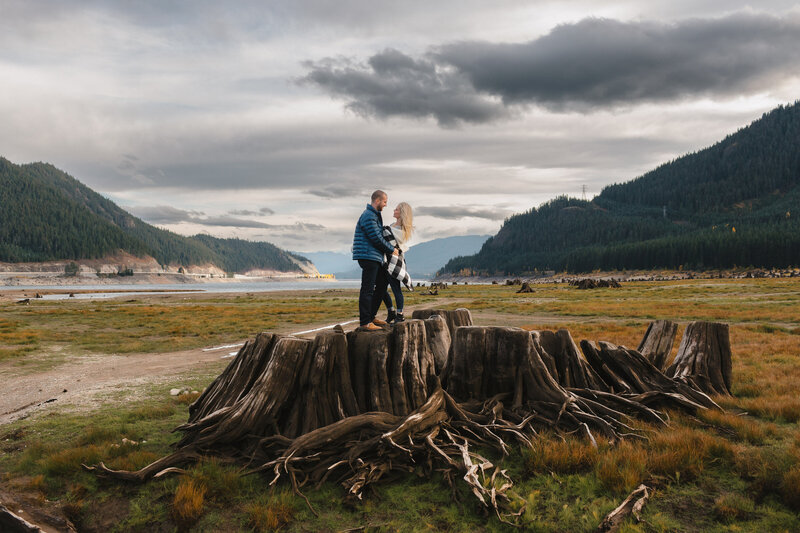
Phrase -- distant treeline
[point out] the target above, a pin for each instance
(736, 203)
(47, 215)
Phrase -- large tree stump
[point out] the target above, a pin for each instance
(657, 342)
(355, 407)
(704, 358)
(454, 318)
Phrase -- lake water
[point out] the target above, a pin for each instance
(140, 289)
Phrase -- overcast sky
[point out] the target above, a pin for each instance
(275, 120)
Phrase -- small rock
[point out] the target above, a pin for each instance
(195, 392)
(65, 390)
(174, 392)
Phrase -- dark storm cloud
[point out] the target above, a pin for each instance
(394, 84)
(455, 212)
(602, 62)
(595, 63)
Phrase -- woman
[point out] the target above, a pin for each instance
(400, 232)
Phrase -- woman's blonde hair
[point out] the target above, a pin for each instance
(406, 220)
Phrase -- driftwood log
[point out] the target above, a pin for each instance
(358, 407)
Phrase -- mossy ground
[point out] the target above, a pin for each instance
(738, 470)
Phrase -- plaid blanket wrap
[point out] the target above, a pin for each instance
(396, 264)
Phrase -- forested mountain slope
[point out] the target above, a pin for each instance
(47, 215)
(736, 203)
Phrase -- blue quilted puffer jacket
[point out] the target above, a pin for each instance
(368, 241)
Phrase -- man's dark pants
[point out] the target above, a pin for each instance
(374, 280)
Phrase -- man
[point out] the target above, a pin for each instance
(369, 247)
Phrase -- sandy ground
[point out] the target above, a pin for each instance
(78, 382)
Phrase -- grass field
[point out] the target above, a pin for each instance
(732, 471)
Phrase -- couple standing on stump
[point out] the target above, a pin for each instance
(379, 251)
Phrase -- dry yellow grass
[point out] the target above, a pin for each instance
(270, 514)
(69, 460)
(622, 468)
(188, 502)
(742, 427)
(681, 453)
(561, 455)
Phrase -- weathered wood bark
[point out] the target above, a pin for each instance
(439, 339)
(657, 342)
(237, 379)
(454, 318)
(704, 358)
(549, 343)
(572, 371)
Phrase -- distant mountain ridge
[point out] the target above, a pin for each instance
(423, 259)
(47, 215)
(736, 203)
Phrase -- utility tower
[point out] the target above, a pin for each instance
(583, 190)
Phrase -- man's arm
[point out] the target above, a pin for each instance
(374, 233)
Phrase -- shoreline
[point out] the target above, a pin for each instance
(11, 280)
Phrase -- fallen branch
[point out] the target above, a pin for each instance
(632, 504)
